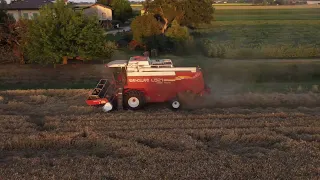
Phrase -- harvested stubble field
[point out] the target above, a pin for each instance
(52, 134)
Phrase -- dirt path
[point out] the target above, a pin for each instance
(122, 29)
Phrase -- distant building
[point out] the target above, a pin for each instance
(101, 11)
(313, 2)
(26, 9)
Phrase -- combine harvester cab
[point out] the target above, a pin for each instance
(140, 80)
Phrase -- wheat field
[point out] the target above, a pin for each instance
(53, 134)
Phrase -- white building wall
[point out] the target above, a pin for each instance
(15, 14)
(101, 12)
(313, 2)
(18, 14)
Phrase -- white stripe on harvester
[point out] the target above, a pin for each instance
(151, 74)
(192, 69)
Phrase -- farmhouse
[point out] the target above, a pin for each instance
(103, 12)
(26, 9)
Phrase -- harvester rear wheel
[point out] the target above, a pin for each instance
(133, 100)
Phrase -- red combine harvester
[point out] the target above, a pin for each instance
(140, 80)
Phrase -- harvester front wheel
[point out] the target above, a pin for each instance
(175, 104)
(133, 100)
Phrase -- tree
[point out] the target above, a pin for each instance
(145, 26)
(104, 2)
(177, 33)
(197, 12)
(122, 10)
(11, 33)
(186, 12)
(3, 12)
(179, 38)
(173, 17)
(164, 10)
(60, 32)
(12, 37)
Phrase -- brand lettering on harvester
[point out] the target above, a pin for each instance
(139, 80)
(153, 80)
(157, 80)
